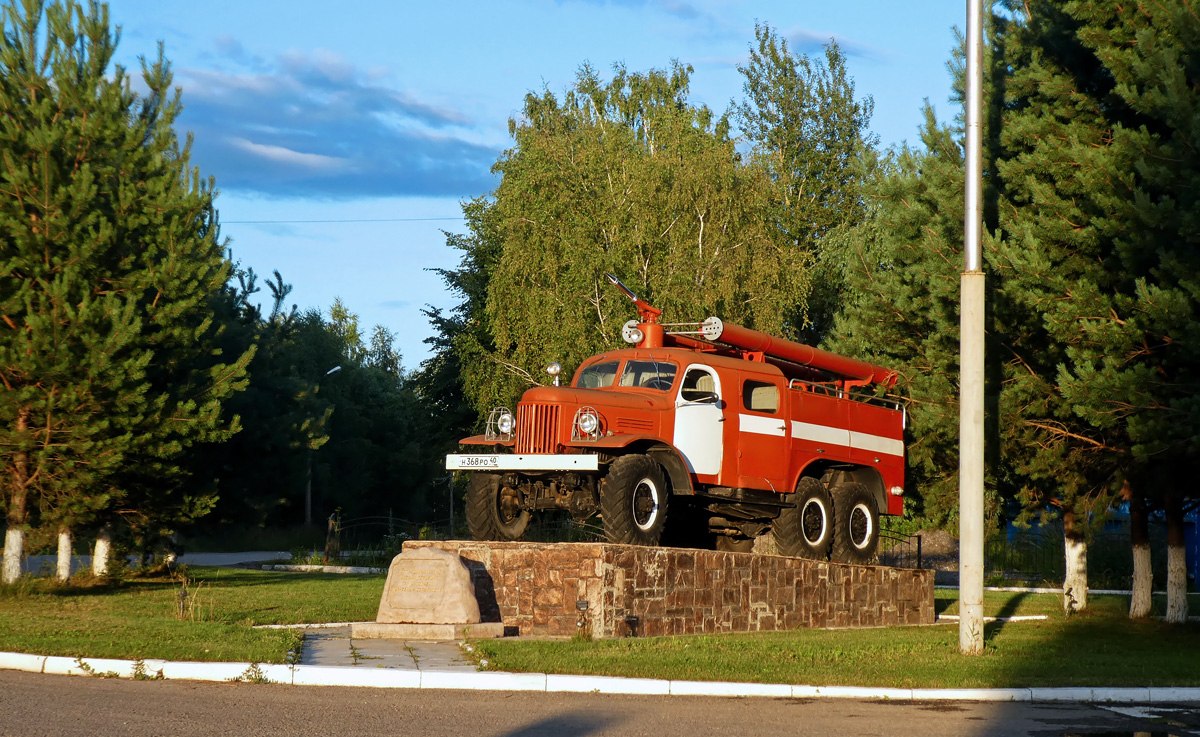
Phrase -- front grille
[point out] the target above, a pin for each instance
(537, 428)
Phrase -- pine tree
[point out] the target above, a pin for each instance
(1091, 163)
(110, 265)
(1119, 227)
(900, 305)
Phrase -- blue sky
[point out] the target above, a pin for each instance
(344, 135)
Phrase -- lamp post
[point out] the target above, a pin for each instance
(971, 357)
(308, 483)
(450, 481)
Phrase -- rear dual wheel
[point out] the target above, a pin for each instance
(856, 537)
(731, 544)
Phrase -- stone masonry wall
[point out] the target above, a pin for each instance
(536, 589)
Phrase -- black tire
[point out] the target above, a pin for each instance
(730, 544)
(492, 515)
(804, 529)
(856, 533)
(633, 501)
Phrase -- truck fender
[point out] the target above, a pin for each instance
(865, 475)
(666, 456)
(669, 458)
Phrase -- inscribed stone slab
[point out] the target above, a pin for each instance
(428, 586)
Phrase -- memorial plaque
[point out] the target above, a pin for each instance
(428, 586)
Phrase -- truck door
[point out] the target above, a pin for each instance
(762, 435)
(699, 414)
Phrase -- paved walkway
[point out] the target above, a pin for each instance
(333, 646)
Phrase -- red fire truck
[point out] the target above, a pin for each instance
(704, 428)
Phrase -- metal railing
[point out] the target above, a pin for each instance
(900, 551)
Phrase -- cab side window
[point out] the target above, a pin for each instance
(698, 386)
(760, 396)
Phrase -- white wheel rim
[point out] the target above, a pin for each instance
(804, 513)
(868, 523)
(644, 487)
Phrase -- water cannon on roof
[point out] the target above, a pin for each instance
(795, 359)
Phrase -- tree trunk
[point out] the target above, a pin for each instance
(14, 535)
(101, 553)
(14, 549)
(64, 553)
(1177, 603)
(1075, 583)
(1143, 577)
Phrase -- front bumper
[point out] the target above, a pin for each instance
(511, 462)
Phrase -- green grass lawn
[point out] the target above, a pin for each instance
(139, 617)
(1100, 647)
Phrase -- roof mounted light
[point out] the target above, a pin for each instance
(631, 333)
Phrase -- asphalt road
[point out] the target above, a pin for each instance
(34, 704)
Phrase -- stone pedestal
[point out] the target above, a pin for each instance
(429, 595)
(604, 590)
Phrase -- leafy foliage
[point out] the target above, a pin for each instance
(623, 176)
(323, 411)
(809, 134)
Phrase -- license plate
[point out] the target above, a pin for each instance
(479, 461)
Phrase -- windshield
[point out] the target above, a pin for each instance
(598, 375)
(649, 374)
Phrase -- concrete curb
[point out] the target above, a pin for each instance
(324, 675)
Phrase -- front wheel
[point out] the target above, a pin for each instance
(804, 528)
(857, 533)
(492, 510)
(633, 501)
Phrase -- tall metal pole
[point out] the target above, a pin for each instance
(971, 336)
(308, 482)
(450, 481)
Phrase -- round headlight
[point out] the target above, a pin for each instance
(554, 369)
(505, 423)
(589, 424)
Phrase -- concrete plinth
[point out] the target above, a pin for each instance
(406, 631)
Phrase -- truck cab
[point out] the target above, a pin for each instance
(710, 436)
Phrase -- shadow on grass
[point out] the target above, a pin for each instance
(1108, 650)
(242, 578)
(29, 588)
(212, 578)
(941, 606)
(992, 629)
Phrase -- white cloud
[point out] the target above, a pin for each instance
(288, 156)
(312, 124)
(809, 41)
